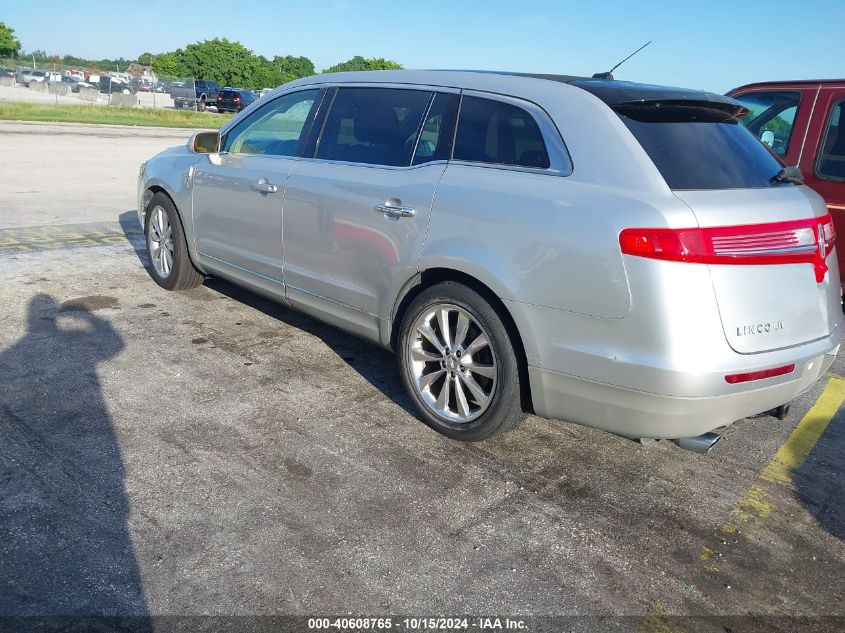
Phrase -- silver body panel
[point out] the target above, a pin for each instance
(636, 346)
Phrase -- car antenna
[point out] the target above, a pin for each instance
(609, 73)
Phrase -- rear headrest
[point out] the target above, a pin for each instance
(381, 129)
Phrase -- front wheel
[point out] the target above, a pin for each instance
(201, 105)
(171, 266)
(458, 364)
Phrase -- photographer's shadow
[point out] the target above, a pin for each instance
(65, 549)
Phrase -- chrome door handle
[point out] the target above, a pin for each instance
(263, 186)
(396, 210)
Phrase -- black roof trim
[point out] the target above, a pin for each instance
(614, 92)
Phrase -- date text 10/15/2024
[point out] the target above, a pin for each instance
(416, 624)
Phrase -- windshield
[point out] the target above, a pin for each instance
(700, 146)
(771, 117)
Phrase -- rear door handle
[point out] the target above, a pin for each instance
(264, 186)
(396, 210)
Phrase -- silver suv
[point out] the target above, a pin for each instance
(621, 255)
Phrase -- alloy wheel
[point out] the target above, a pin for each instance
(160, 242)
(452, 363)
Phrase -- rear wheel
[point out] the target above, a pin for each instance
(201, 105)
(458, 364)
(170, 264)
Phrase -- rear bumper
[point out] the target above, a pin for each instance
(635, 413)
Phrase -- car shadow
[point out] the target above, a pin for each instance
(373, 363)
(376, 365)
(819, 483)
(65, 548)
(134, 233)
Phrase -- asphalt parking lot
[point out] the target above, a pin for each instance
(211, 453)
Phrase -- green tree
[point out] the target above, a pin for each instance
(166, 64)
(294, 67)
(360, 63)
(10, 46)
(145, 59)
(227, 63)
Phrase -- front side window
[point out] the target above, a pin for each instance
(277, 129)
(495, 132)
(830, 164)
(376, 126)
(771, 117)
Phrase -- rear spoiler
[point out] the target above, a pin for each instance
(681, 111)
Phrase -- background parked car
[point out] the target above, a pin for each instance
(26, 75)
(802, 122)
(234, 99)
(115, 84)
(74, 83)
(7, 72)
(195, 95)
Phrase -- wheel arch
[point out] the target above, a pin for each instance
(154, 189)
(432, 276)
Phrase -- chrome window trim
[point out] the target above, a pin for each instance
(329, 161)
(559, 157)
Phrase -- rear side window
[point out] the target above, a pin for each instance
(500, 133)
(700, 146)
(377, 126)
(831, 161)
(771, 116)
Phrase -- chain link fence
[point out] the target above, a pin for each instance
(32, 81)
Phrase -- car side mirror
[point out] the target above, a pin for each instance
(204, 142)
(768, 138)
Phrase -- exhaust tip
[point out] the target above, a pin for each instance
(701, 444)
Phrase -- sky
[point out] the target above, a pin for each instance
(714, 45)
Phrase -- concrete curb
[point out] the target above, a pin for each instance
(89, 94)
(123, 101)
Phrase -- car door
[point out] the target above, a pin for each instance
(356, 213)
(238, 192)
(823, 162)
(778, 117)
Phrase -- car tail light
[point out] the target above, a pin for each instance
(236, 99)
(219, 98)
(792, 242)
(759, 375)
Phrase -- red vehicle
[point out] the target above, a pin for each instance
(802, 122)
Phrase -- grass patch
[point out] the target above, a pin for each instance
(10, 111)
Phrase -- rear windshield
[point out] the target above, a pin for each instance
(228, 94)
(700, 146)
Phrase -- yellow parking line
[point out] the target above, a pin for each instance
(750, 512)
(794, 451)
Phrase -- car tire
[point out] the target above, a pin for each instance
(201, 105)
(483, 395)
(167, 249)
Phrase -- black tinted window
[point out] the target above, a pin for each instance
(700, 147)
(435, 141)
(831, 162)
(373, 125)
(495, 132)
